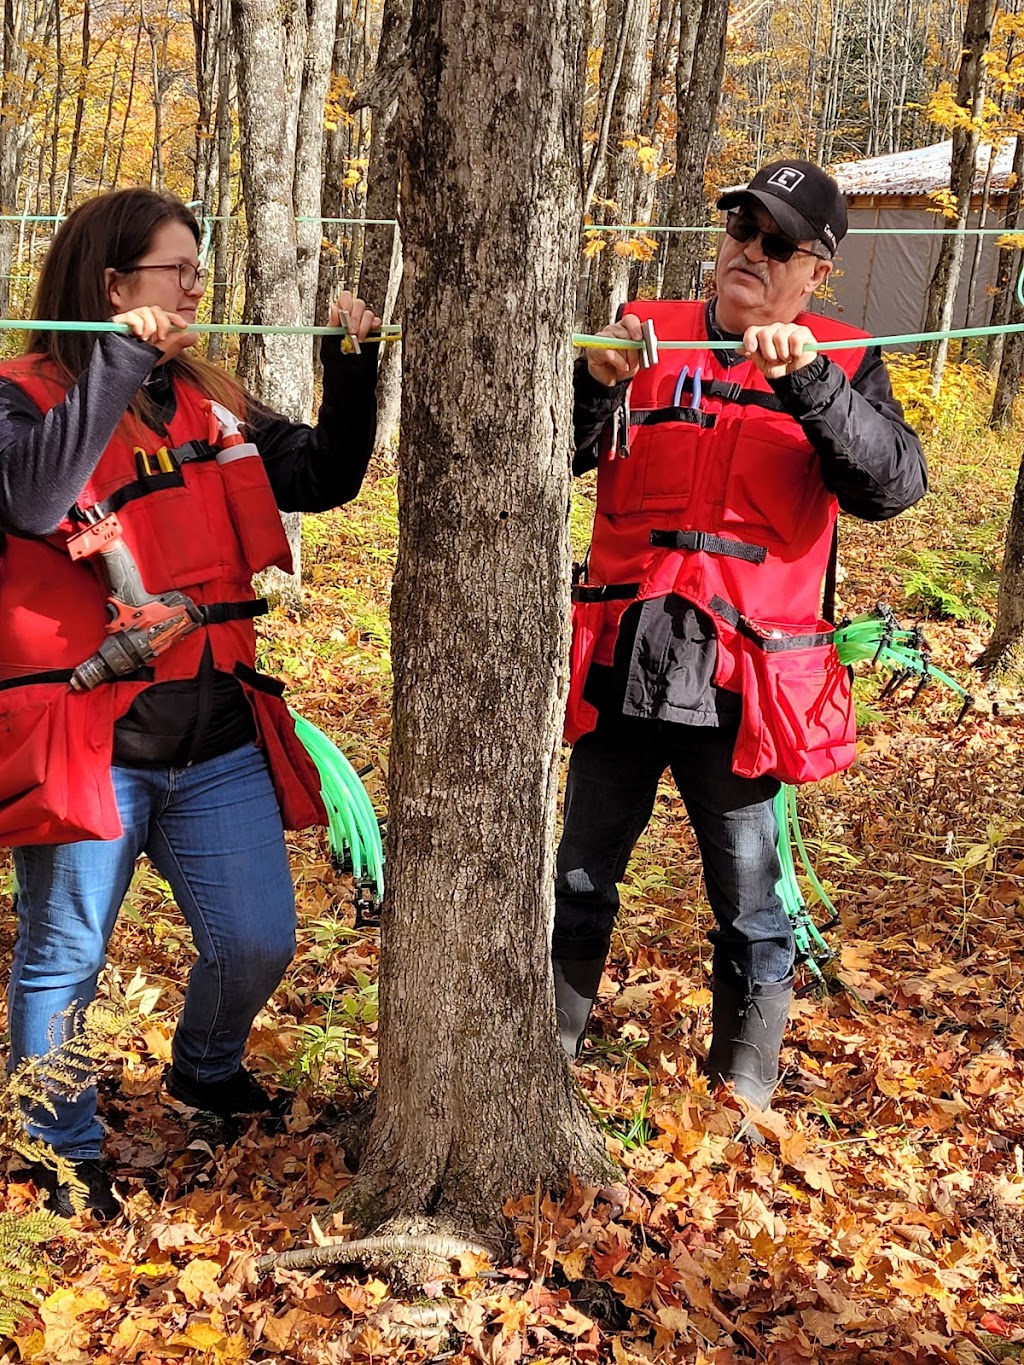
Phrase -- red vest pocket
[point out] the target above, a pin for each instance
(587, 621)
(798, 720)
(292, 771)
(55, 784)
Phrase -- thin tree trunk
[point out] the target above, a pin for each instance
(58, 100)
(219, 310)
(474, 1102)
(1004, 654)
(610, 272)
(1009, 257)
(128, 103)
(279, 369)
(970, 96)
(204, 15)
(76, 131)
(617, 22)
(697, 117)
(309, 149)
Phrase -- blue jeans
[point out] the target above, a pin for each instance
(213, 830)
(609, 796)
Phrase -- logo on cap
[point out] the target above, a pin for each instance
(786, 178)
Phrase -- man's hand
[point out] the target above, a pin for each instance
(364, 319)
(778, 349)
(166, 331)
(611, 367)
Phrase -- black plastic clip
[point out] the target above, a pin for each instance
(364, 898)
(968, 704)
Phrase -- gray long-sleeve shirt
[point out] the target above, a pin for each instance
(45, 462)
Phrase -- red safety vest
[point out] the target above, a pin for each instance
(202, 527)
(718, 498)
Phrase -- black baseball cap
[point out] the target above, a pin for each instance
(803, 199)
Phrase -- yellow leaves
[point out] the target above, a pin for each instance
(636, 248)
(595, 244)
(574, 1263)
(219, 1347)
(65, 1337)
(198, 1282)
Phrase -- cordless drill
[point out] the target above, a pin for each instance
(141, 625)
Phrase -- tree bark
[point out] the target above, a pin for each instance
(219, 305)
(970, 96)
(610, 271)
(279, 369)
(380, 270)
(1004, 654)
(474, 1101)
(697, 118)
(83, 76)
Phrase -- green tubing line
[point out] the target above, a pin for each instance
(345, 797)
(218, 328)
(801, 847)
(583, 339)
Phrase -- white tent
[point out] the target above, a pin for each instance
(881, 281)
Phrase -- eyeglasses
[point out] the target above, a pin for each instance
(773, 244)
(189, 275)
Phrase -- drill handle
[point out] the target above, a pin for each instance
(123, 575)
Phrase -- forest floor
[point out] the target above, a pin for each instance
(881, 1221)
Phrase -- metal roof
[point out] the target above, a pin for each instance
(919, 171)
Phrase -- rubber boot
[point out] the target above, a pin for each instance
(746, 1036)
(576, 983)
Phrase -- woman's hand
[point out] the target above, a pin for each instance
(364, 320)
(168, 332)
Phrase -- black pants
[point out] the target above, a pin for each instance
(612, 784)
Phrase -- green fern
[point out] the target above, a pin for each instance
(950, 586)
(24, 1271)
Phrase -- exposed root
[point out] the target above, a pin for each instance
(375, 1252)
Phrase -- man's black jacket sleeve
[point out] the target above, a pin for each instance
(870, 458)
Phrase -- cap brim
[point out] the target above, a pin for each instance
(793, 224)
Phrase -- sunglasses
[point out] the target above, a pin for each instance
(773, 244)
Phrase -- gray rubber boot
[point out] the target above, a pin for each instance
(576, 983)
(746, 1036)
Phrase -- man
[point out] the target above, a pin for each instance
(698, 644)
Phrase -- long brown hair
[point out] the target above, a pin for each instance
(111, 231)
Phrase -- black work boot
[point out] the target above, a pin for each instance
(93, 1191)
(576, 983)
(746, 1036)
(237, 1094)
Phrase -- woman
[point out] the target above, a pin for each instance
(124, 478)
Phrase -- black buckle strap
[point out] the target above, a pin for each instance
(729, 392)
(706, 543)
(190, 451)
(604, 592)
(652, 417)
(52, 675)
(216, 613)
(771, 644)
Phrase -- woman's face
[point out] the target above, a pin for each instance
(154, 280)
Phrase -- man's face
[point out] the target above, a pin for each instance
(753, 290)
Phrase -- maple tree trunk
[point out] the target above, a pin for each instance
(970, 96)
(279, 369)
(697, 105)
(475, 1102)
(610, 274)
(1004, 654)
(1009, 257)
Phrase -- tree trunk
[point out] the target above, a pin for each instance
(278, 369)
(697, 118)
(971, 97)
(309, 150)
(610, 271)
(76, 131)
(1009, 257)
(205, 16)
(474, 1101)
(380, 270)
(219, 309)
(1004, 655)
